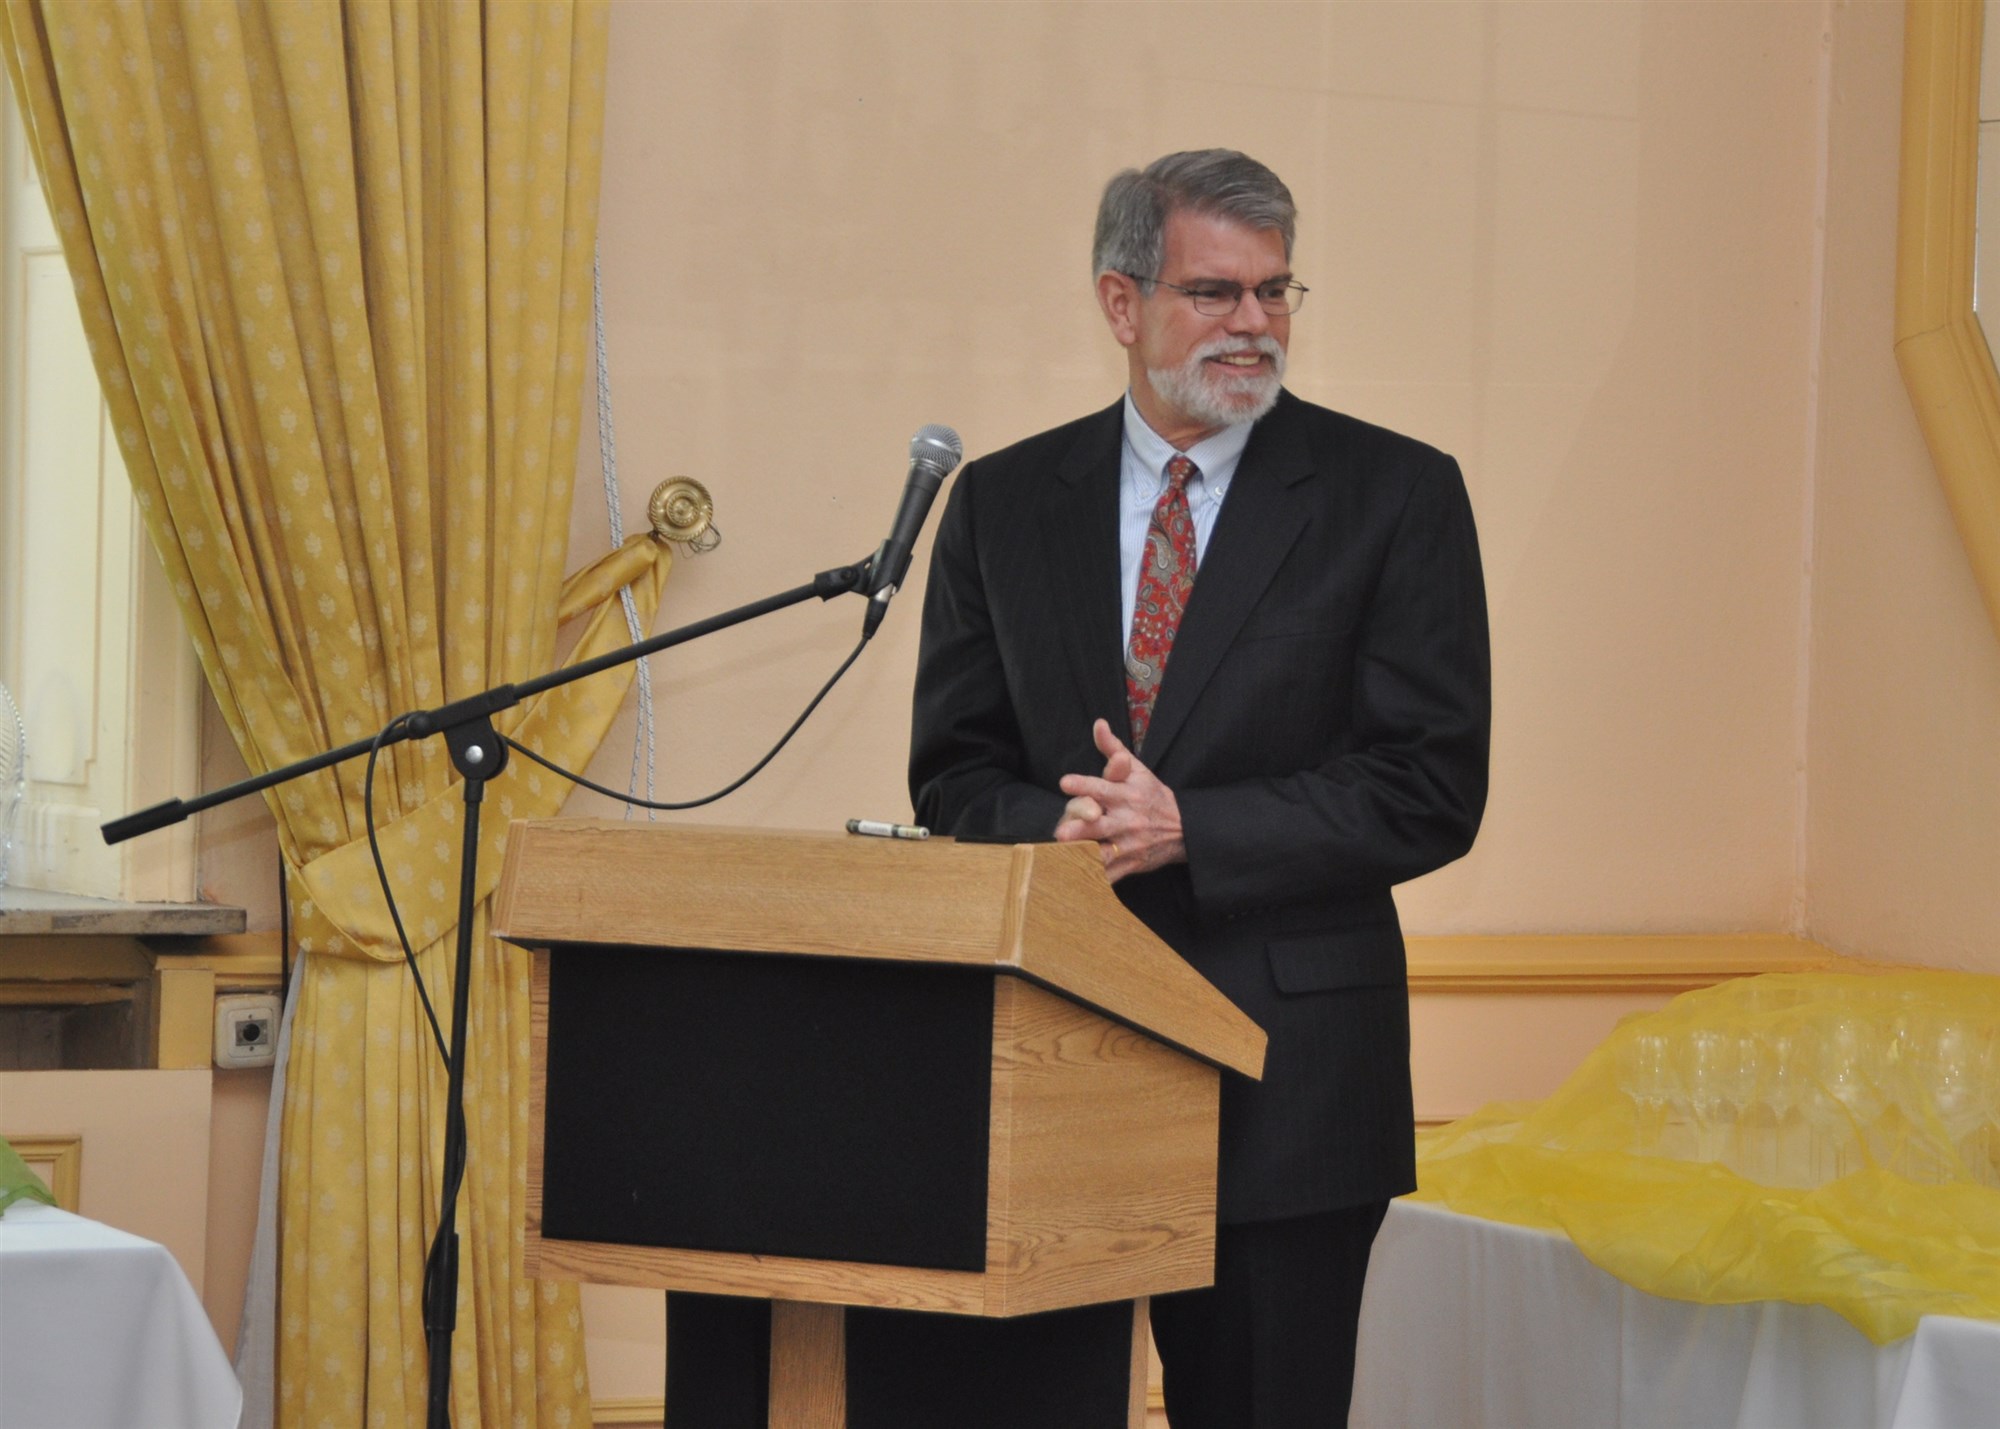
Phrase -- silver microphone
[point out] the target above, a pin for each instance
(934, 453)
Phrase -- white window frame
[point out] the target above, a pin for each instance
(91, 642)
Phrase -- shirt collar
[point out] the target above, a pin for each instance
(1214, 456)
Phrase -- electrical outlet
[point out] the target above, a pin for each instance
(246, 1029)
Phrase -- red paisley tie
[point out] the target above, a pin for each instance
(1166, 576)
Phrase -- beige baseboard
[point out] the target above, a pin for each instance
(628, 1413)
(1612, 963)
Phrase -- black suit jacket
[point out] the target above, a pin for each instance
(1322, 722)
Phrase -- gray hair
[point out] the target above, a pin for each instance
(1132, 217)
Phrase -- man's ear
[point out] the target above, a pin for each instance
(1118, 296)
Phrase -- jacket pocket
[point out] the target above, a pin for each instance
(1367, 956)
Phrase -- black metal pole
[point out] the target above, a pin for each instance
(479, 754)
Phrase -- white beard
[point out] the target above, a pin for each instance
(1211, 395)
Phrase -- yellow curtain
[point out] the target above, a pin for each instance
(334, 263)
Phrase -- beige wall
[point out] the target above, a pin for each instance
(1571, 244)
(241, 1101)
(1904, 750)
(143, 1140)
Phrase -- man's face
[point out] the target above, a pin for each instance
(1191, 373)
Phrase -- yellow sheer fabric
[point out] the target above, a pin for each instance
(1818, 1138)
(334, 263)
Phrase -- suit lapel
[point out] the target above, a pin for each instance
(1260, 520)
(1080, 537)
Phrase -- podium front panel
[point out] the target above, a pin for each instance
(834, 1109)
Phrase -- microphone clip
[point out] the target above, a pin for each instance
(845, 580)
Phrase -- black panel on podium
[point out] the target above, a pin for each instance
(812, 1107)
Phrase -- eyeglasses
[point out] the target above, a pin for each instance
(1218, 298)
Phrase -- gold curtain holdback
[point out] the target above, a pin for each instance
(682, 511)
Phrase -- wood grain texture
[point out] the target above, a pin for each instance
(808, 1366)
(1044, 909)
(1101, 1181)
(538, 1099)
(1102, 1151)
(748, 890)
(1140, 1396)
(1103, 1159)
(769, 1277)
(29, 911)
(1105, 957)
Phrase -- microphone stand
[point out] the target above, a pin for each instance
(479, 754)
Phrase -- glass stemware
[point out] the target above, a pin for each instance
(1962, 1090)
(1702, 1056)
(1850, 1095)
(1738, 1070)
(1785, 1072)
(1646, 1076)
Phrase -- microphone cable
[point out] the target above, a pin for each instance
(396, 725)
(725, 790)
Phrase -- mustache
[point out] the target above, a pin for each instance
(1263, 343)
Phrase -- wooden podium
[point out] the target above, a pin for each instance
(834, 1071)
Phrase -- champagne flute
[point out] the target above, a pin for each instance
(1961, 1086)
(1702, 1075)
(1785, 1063)
(1849, 1075)
(1645, 1074)
(1738, 1070)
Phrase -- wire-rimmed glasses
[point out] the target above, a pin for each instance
(1218, 297)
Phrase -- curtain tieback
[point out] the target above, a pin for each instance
(338, 905)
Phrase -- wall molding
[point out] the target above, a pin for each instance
(652, 1413)
(1946, 362)
(1611, 963)
(58, 1160)
(241, 962)
(628, 1413)
(1507, 962)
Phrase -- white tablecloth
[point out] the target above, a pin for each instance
(101, 1328)
(1470, 1322)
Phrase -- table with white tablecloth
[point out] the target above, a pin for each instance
(101, 1328)
(1473, 1322)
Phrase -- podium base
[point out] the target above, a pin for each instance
(829, 1368)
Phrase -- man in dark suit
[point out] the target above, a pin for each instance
(1239, 641)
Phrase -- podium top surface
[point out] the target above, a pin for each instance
(1044, 911)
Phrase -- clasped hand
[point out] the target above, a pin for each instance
(1134, 818)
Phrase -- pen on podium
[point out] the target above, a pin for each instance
(876, 829)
